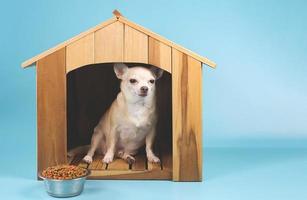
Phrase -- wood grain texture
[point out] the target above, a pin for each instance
(168, 42)
(159, 54)
(186, 80)
(118, 164)
(51, 110)
(140, 162)
(101, 165)
(130, 175)
(135, 46)
(125, 21)
(34, 59)
(96, 161)
(80, 53)
(109, 43)
(83, 164)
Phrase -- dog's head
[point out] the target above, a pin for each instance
(137, 82)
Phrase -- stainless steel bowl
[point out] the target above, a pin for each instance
(65, 188)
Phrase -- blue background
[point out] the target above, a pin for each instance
(254, 103)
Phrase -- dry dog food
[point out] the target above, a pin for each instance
(64, 172)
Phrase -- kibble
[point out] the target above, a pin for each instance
(64, 172)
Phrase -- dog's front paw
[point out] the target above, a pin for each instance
(88, 159)
(153, 159)
(108, 158)
(130, 159)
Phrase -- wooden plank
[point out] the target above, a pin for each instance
(118, 164)
(194, 116)
(51, 110)
(130, 175)
(100, 165)
(135, 46)
(83, 164)
(80, 53)
(117, 13)
(34, 59)
(140, 162)
(167, 161)
(160, 54)
(95, 163)
(167, 42)
(177, 69)
(109, 43)
(186, 95)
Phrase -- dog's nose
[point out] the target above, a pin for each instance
(144, 89)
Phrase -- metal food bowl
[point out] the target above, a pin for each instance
(65, 188)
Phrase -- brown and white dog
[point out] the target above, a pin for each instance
(131, 120)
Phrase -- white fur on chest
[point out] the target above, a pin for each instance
(140, 115)
(135, 126)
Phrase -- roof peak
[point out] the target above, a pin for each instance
(119, 17)
(117, 13)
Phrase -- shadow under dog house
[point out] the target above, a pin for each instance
(76, 84)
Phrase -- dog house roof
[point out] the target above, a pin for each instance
(120, 18)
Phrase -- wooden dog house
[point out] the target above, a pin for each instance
(76, 83)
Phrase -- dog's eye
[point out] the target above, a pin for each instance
(132, 80)
(152, 81)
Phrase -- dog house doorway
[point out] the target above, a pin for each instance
(91, 90)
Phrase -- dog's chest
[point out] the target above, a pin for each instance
(137, 125)
(140, 117)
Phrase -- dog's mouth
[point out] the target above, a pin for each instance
(143, 94)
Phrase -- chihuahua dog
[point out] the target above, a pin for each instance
(131, 120)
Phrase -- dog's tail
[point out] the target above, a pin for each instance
(81, 150)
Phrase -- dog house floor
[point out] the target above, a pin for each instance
(120, 169)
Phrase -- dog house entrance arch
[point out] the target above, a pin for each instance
(113, 41)
(91, 89)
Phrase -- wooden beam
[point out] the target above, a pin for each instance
(131, 175)
(117, 13)
(118, 164)
(51, 110)
(159, 54)
(186, 95)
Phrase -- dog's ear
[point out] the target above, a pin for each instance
(120, 69)
(157, 72)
